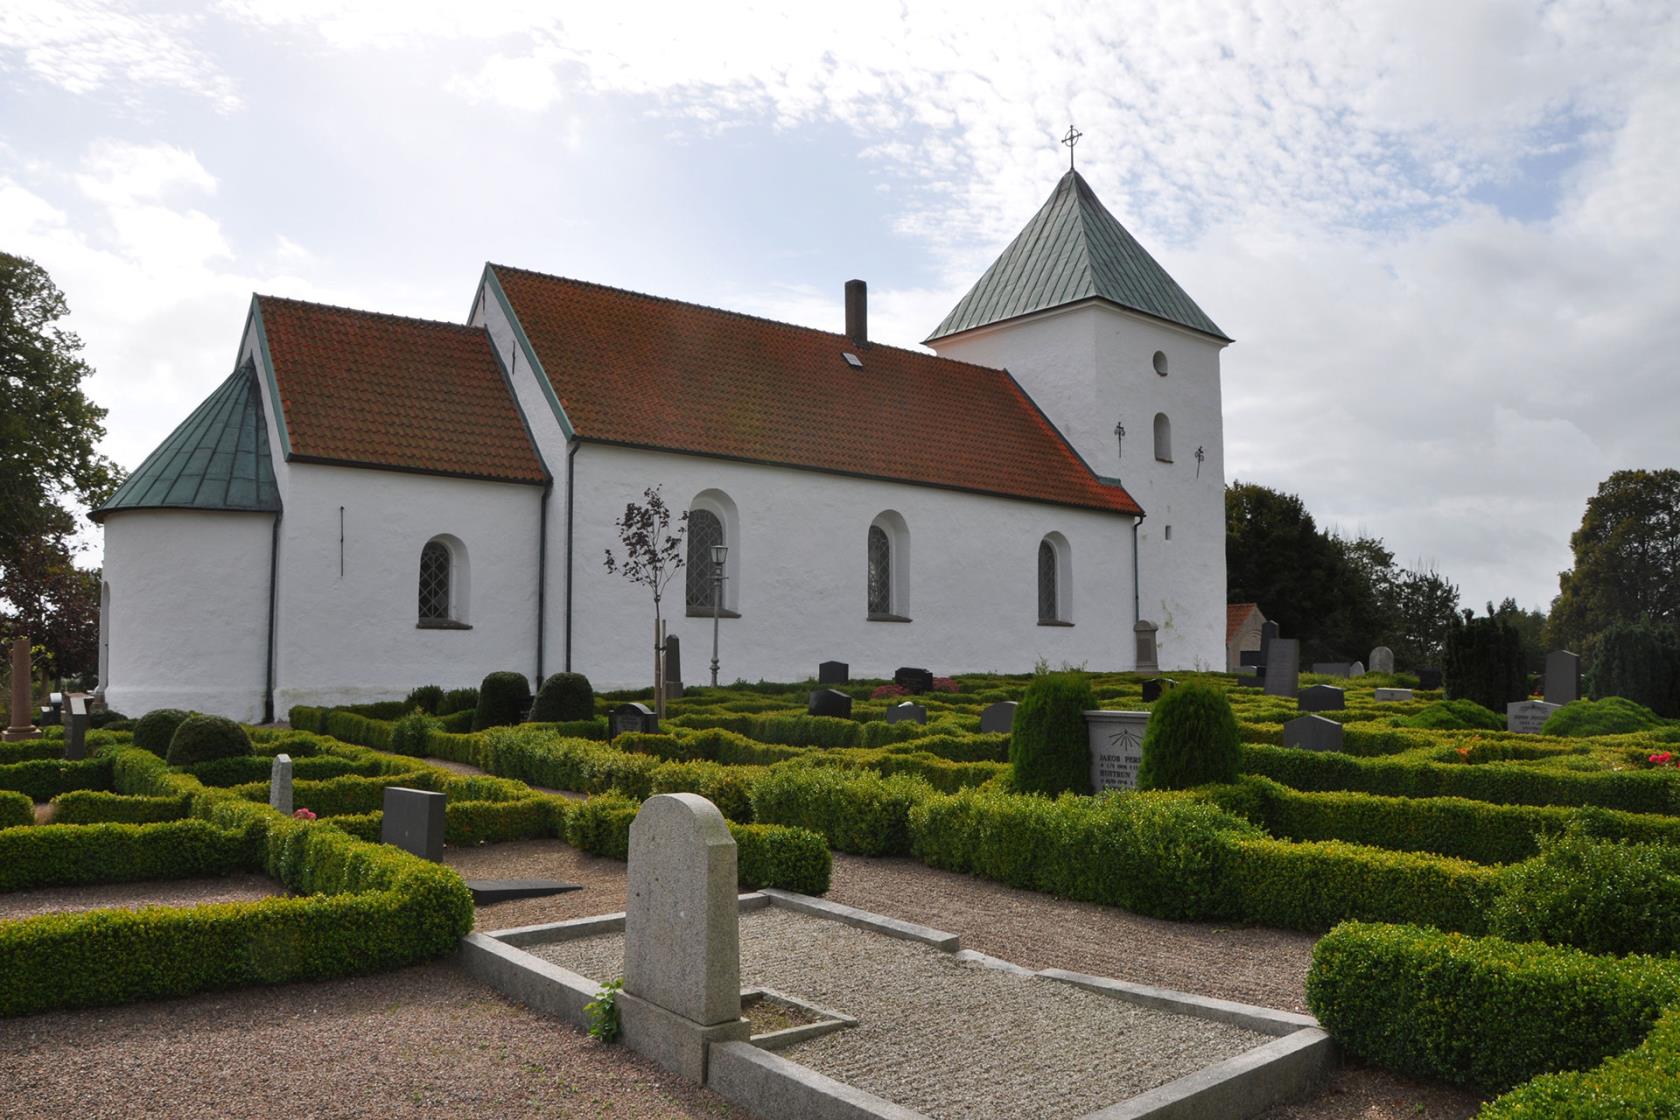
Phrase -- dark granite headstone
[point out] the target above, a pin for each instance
(633, 718)
(1283, 667)
(830, 702)
(1321, 698)
(1154, 686)
(1268, 633)
(907, 713)
(673, 667)
(998, 717)
(1429, 678)
(834, 672)
(916, 680)
(52, 712)
(75, 728)
(1313, 733)
(414, 821)
(1563, 677)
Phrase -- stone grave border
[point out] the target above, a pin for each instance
(751, 1075)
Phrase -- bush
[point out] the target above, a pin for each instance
(1484, 662)
(793, 859)
(46, 778)
(410, 734)
(204, 738)
(56, 855)
(1049, 745)
(1484, 1012)
(1642, 1084)
(427, 698)
(1449, 715)
(157, 728)
(857, 812)
(601, 825)
(1610, 716)
(503, 700)
(1191, 740)
(564, 697)
(89, 806)
(1601, 896)
(1638, 661)
(15, 809)
(458, 700)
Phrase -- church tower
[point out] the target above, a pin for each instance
(1125, 364)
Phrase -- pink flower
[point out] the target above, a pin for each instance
(944, 684)
(303, 815)
(889, 690)
(1660, 759)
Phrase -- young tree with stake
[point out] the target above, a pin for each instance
(652, 555)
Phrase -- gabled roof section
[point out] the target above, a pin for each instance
(1236, 616)
(217, 459)
(1074, 250)
(648, 372)
(365, 389)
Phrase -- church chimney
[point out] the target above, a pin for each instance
(857, 311)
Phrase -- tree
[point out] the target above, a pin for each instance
(652, 555)
(1364, 614)
(1425, 608)
(1531, 631)
(56, 604)
(1627, 559)
(1484, 662)
(1275, 556)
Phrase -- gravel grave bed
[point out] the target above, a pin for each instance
(603, 881)
(133, 896)
(986, 1026)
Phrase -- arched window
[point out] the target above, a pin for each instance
(1055, 581)
(443, 584)
(889, 568)
(1163, 438)
(1046, 582)
(705, 529)
(880, 571)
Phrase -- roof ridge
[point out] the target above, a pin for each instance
(780, 323)
(414, 320)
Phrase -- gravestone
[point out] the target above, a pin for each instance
(1357, 669)
(829, 702)
(1145, 657)
(1321, 698)
(1333, 668)
(1116, 742)
(75, 728)
(1392, 695)
(1154, 686)
(682, 939)
(1251, 663)
(673, 667)
(23, 673)
(280, 784)
(1429, 678)
(998, 717)
(1313, 733)
(907, 713)
(834, 672)
(414, 821)
(1382, 660)
(1563, 677)
(916, 680)
(52, 712)
(1283, 667)
(1268, 634)
(1528, 716)
(633, 718)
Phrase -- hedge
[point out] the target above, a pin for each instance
(44, 779)
(1480, 1011)
(87, 806)
(15, 810)
(476, 822)
(1642, 1083)
(56, 855)
(258, 768)
(28, 750)
(857, 812)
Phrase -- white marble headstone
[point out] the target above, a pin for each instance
(1528, 716)
(280, 784)
(1116, 740)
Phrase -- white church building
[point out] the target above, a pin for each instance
(371, 502)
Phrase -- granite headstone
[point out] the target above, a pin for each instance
(1528, 716)
(829, 702)
(1382, 660)
(907, 713)
(1321, 698)
(1392, 695)
(834, 672)
(632, 718)
(998, 717)
(1563, 677)
(280, 784)
(1313, 733)
(916, 680)
(1283, 667)
(414, 821)
(76, 728)
(1155, 686)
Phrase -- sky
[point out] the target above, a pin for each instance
(1443, 234)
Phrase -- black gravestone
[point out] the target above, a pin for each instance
(998, 717)
(1321, 698)
(632, 718)
(1313, 733)
(1429, 678)
(1154, 686)
(75, 728)
(916, 680)
(414, 821)
(907, 712)
(673, 667)
(830, 702)
(834, 672)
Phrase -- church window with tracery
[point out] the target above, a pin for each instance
(880, 571)
(705, 529)
(435, 563)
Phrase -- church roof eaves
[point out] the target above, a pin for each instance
(651, 372)
(1071, 251)
(216, 459)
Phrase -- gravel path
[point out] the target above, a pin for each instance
(985, 1026)
(132, 896)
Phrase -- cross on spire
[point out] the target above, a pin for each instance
(1072, 138)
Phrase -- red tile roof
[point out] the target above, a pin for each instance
(364, 388)
(1235, 615)
(645, 371)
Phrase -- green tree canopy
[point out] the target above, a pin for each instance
(1627, 559)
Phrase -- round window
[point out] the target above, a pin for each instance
(1161, 363)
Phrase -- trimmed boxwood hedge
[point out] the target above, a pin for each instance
(46, 778)
(1480, 1011)
(156, 728)
(88, 806)
(1643, 1083)
(857, 812)
(15, 809)
(57, 855)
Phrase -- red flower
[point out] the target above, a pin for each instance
(887, 691)
(303, 814)
(944, 684)
(1660, 759)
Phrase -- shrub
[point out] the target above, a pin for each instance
(858, 812)
(458, 700)
(15, 809)
(1191, 740)
(1610, 716)
(1049, 745)
(1484, 662)
(427, 698)
(1481, 1011)
(1639, 661)
(1597, 895)
(564, 697)
(106, 718)
(88, 806)
(203, 738)
(1448, 715)
(503, 700)
(769, 855)
(601, 825)
(1643, 1083)
(54, 855)
(157, 728)
(45, 778)
(409, 734)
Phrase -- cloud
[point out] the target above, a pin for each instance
(526, 83)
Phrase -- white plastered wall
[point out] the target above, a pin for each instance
(802, 581)
(1090, 365)
(187, 620)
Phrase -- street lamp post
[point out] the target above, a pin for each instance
(719, 554)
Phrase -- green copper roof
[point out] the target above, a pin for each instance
(1072, 250)
(217, 459)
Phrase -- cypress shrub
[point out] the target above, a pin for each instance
(1049, 746)
(564, 697)
(409, 734)
(503, 700)
(157, 728)
(427, 698)
(203, 738)
(1484, 662)
(1639, 661)
(1191, 740)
